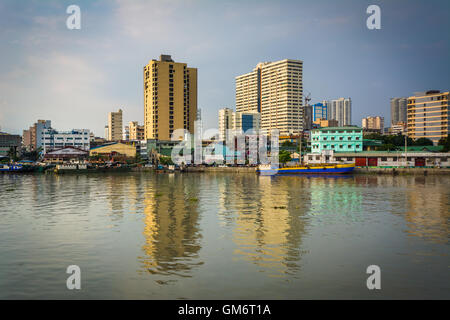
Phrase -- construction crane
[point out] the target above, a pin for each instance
(307, 98)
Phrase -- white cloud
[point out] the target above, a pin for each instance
(66, 89)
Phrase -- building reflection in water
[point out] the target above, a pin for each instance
(337, 197)
(268, 230)
(172, 236)
(428, 208)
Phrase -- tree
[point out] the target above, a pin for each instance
(423, 142)
(165, 161)
(446, 143)
(284, 156)
(287, 143)
(12, 153)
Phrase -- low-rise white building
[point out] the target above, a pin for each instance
(78, 138)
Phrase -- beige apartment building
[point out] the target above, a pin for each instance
(275, 89)
(373, 123)
(115, 126)
(170, 98)
(137, 132)
(428, 115)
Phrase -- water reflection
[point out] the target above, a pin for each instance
(266, 226)
(172, 235)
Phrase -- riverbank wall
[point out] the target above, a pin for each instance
(359, 170)
(421, 171)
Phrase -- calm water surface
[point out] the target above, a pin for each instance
(223, 236)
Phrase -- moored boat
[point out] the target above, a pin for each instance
(308, 169)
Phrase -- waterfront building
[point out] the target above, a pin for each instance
(10, 142)
(373, 123)
(65, 154)
(428, 115)
(338, 139)
(53, 139)
(33, 136)
(137, 132)
(421, 158)
(226, 122)
(340, 110)
(26, 140)
(398, 110)
(115, 126)
(115, 148)
(326, 123)
(275, 89)
(170, 98)
(319, 111)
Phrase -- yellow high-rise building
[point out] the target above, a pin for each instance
(428, 115)
(170, 98)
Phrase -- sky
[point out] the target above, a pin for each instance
(75, 77)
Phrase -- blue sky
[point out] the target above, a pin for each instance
(75, 77)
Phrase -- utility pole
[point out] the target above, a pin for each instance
(406, 150)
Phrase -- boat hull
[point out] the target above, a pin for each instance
(324, 169)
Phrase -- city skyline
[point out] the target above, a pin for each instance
(69, 74)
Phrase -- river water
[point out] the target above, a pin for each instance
(224, 236)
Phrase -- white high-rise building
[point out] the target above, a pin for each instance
(275, 89)
(340, 110)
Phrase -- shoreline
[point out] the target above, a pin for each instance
(418, 171)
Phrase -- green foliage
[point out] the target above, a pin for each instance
(287, 143)
(165, 161)
(446, 143)
(423, 142)
(284, 156)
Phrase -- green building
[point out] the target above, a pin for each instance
(338, 139)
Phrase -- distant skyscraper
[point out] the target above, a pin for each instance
(170, 98)
(126, 133)
(115, 126)
(373, 123)
(398, 110)
(226, 122)
(106, 132)
(319, 111)
(307, 113)
(341, 110)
